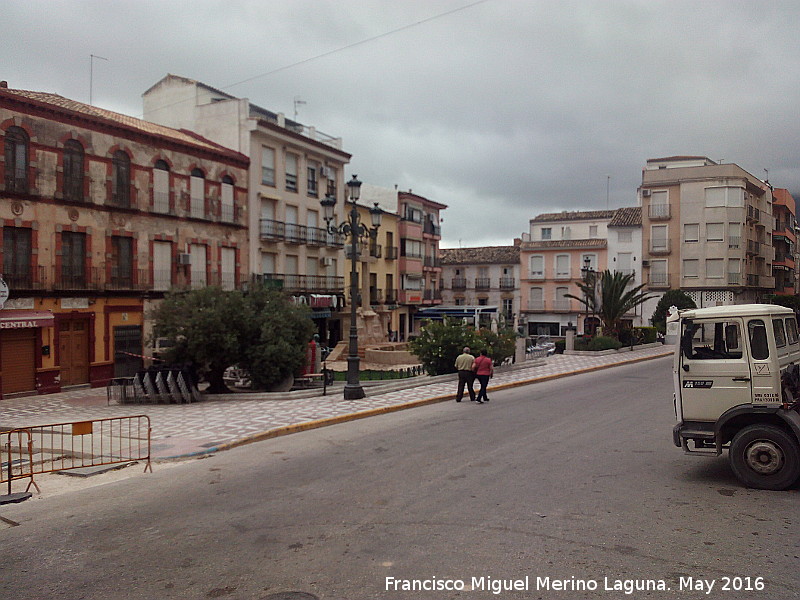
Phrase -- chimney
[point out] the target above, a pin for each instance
(3, 84)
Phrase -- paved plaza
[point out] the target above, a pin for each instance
(181, 430)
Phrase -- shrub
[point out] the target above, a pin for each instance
(602, 342)
(648, 334)
(561, 345)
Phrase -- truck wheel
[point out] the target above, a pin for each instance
(765, 457)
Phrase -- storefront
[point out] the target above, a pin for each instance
(22, 346)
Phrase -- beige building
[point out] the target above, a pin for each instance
(101, 214)
(706, 229)
(293, 167)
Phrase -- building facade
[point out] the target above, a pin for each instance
(483, 276)
(419, 232)
(555, 255)
(784, 240)
(292, 168)
(706, 229)
(101, 214)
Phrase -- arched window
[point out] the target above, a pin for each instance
(197, 194)
(161, 187)
(73, 171)
(227, 212)
(16, 155)
(121, 179)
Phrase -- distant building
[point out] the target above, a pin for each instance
(292, 168)
(483, 276)
(706, 229)
(101, 214)
(555, 255)
(784, 240)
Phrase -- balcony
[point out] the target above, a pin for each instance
(128, 279)
(459, 283)
(507, 283)
(432, 262)
(659, 246)
(734, 279)
(537, 305)
(753, 214)
(375, 296)
(752, 280)
(562, 305)
(77, 279)
(33, 278)
(391, 253)
(432, 229)
(658, 211)
(161, 202)
(227, 213)
(658, 280)
(375, 250)
(753, 247)
(432, 295)
(390, 297)
(482, 283)
(313, 284)
(277, 231)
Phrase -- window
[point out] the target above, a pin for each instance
(73, 171)
(715, 232)
(227, 212)
(267, 263)
(291, 172)
(780, 334)
(267, 166)
(734, 234)
(592, 231)
(411, 248)
(715, 340)
(161, 187)
(690, 268)
(312, 180)
(16, 155)
(537, 267)
(17, 252)
(759, 348)
(547, 233)
(412, 214)
(625, 263)
(714, 268)
(536, 299)
(658, 272)
(658, 238)
(121, 262)
(228, 268)
(197, 194)
(734, 271)
(691, 232)
(73, 256)
(566, 233)
(292, 227)
(331, 176)
(162, 266)
(791, 330)
(508, 308)
(562, 302)
(724, 196)
(121, 179)
(624, 235)
(198, 273)
(412, 283)
(562, 266)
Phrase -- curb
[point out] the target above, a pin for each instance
(317, 423)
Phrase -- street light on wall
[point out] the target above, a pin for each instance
(356, 231)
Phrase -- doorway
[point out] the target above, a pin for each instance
(73, 351)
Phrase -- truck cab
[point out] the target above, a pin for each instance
(737, 384)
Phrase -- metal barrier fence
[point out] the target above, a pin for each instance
(29, 451)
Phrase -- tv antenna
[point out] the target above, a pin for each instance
(297, 102)
(91, 73)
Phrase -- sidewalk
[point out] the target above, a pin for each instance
(184, 430)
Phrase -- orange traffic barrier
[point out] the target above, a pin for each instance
(29, 451)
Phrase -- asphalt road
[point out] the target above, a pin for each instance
(574, 484)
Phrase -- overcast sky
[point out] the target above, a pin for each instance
(500, 109)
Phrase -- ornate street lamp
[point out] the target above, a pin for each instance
(356, 231)
(589, 279)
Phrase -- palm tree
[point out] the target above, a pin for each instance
(614, 299)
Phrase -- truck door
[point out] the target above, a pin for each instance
(714, 371)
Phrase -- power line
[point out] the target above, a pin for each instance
(342, 48)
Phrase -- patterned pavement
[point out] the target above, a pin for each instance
(180, 430)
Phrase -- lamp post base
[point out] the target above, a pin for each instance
(353, 391)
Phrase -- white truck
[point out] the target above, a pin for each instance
(737, 386)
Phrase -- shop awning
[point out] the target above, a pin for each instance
(18, 319)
